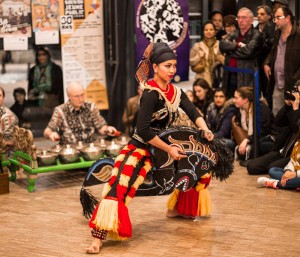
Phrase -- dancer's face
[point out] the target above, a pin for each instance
(165, 71)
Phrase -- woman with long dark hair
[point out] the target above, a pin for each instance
(202, 95)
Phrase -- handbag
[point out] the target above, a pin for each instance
(238, 133)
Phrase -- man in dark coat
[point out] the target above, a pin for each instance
(241, 48)
(282, 66)
(279, 3)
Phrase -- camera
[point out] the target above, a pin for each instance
(290, 96)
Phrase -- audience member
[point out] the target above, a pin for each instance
(8, 120)
(205, 55)
(77, 119)
(241, 48)
(287, 177)
(230, 24)
(130, 113)
(267, 28)
(219, 115)
(183, 119)
(286, 120)
(216, 17)
(279, 3)
(20, 103)
(282, 66)
(45, 81)
(243, 99)
(190, 95)
(202, 95)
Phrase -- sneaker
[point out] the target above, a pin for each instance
(267, 182)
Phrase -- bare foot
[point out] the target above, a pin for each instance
(172, 213)
(95, 246)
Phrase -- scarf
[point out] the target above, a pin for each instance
(211, 55)
(247, 122)
(42, 77)
(171, 95)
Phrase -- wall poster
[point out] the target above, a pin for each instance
(15, 18)
(45, 21)
(164, 21)
(82, 42)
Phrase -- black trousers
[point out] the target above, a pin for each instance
(262, 164)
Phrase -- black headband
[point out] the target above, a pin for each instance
(162, 52)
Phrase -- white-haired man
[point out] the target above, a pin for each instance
(241, 47)
(77, 119)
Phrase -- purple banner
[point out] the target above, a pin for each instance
(164, 21)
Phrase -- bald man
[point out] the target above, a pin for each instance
(77, 119)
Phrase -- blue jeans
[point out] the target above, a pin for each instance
(229, 143)
(292, 184)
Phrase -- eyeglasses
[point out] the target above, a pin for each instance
(278, 18)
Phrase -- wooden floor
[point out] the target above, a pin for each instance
(246, 221)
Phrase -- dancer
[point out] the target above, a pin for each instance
(158, 109)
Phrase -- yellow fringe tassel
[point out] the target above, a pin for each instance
(204, 200)
(107, 219)
(173, 200)
(114, 236)
(204, 203)
(107, 216)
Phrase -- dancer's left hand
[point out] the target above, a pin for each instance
(209, 135)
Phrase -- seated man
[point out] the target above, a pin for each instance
(76, 120)
(8, 120)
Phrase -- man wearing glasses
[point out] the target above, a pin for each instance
(77, 120)
(279, 3)
(282, 66)
(241, 48)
